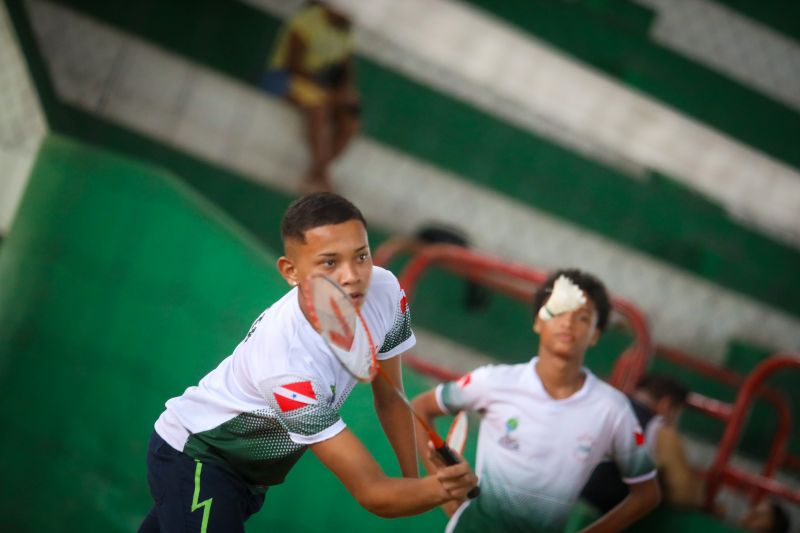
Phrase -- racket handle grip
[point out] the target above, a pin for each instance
(449, 457)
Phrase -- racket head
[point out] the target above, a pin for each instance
(457, 435)
(340, 324)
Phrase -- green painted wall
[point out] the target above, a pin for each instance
(780, 15)
(120, 287)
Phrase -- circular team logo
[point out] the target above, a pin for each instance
(508, 441)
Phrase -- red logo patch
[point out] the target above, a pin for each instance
(294, 395)
(639, 436)
(464, 381)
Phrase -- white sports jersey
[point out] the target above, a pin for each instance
(535, 453)
(280, 390)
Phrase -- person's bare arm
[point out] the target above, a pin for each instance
(395, 418)
(643, 498)
(426, 406)
(351, 462)
(682, 487)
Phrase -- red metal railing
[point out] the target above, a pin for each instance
(778, 454)
(518, 281)
(721, 472)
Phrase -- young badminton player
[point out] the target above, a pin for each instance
(547, 423)
(218, 447)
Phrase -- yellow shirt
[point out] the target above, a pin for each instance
(326, 44)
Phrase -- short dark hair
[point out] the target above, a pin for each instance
(315, 210)
(660, 386)
(592, 287)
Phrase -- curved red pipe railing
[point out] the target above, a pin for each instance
(429, 369)
(506, 276)
(391, 248)
(778, 452)
(720, 471)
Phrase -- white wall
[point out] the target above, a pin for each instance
(22, 124)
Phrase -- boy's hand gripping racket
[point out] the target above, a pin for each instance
(336, 318)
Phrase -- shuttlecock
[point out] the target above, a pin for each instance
(566, 296)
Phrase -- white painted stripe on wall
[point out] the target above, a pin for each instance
(220, 120)
(22, 123)
(733, 44)
(491, 65)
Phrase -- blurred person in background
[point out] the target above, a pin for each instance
(312, 68)
(547, 423)
(657, 402)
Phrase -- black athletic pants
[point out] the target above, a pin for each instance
(194, 497)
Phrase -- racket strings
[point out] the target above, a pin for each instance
(344, 339)
(341, 326)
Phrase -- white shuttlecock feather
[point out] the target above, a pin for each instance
(566, 296)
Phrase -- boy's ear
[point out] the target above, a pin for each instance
(537, 324)
(287, 270)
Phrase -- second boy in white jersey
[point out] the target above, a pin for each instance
(546, 424)
(219, 446)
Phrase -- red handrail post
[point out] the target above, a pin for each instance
(720, 471)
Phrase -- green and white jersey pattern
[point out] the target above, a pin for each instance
(280, 390)
(535, 453)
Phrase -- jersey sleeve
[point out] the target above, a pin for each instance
(469, 393)
(399, 338)
(629, 449)
(303, 408)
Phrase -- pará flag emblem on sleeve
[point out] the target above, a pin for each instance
(293, 396)
(639, 436)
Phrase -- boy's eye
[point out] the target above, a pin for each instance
(363, 257)
(329, 263)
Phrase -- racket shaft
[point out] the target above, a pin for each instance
(447, 455)
(444, 451)
(437, 441)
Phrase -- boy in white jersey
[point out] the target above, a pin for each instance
(547, 423)
(219, 446)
